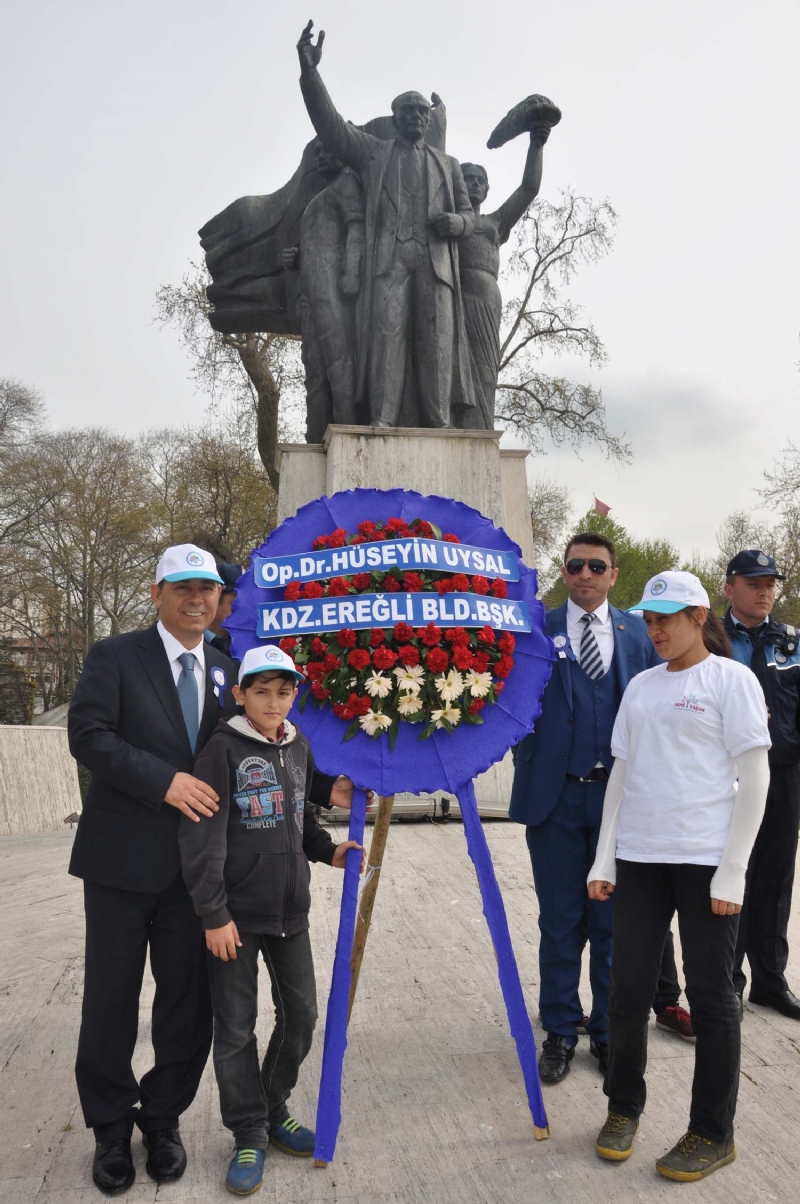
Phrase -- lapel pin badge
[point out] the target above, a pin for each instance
(560, 641)
(220, 682)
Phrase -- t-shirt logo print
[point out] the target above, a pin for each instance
(258, 795)
(658, 587)
(690, 702)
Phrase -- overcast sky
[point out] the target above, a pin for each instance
(127, 125)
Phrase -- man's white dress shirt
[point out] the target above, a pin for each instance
(601, 626)
(174, 648)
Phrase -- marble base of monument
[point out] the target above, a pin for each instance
(468, 466)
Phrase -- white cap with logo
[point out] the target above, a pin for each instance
(186, 562)
(268, 658)
(671, 591)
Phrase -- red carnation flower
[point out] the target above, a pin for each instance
(363, 704)
(461, 583)
(313, 589)
(457, 635)
(367, 528)
(288, 643)
(451, 538)
(486, 636)
(412, 582)
(331, 662)
(424, 528)
(362, 581)
(444, 586)
(430, 635)
(480, 661)
(507, 643)
(499, 686)
(394, 524)
(463, 658)
(437, 660)
(358, 658)
(409, 655)
(504, 666)
(343, 711)
(476, 706)
(384, 658)
(376, 637)
(480, 585)
(378, 536)
(318, 646)
(315, 671)
(346, 638)
(337, 538)
(391, 585)
(338, 588)
(403, 633)
(358, 539)
(292, 591)
(319, 691)
(320, 542)
(499, 588)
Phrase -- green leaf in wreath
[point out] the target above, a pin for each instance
(302, 701)
(352, 730)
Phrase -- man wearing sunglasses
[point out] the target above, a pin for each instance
(559, 785)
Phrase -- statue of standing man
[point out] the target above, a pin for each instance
(411, 339)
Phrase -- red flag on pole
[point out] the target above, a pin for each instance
(601, 507)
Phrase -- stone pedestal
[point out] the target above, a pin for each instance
(465, 465)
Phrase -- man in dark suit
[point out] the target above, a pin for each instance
(145, 704)
(559, 785)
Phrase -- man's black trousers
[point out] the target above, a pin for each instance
(645, 899)
(120, 927)
(764, 920)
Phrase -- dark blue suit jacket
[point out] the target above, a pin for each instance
(542, 757)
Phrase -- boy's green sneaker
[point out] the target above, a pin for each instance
(293, 1138)
(615, 1139)
(694, 1157)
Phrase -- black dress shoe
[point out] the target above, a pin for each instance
(166, 1157)
(599, 1050)
(782, 1001)
(112, 1169)
(554, 1060)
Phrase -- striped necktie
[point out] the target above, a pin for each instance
(590, 658)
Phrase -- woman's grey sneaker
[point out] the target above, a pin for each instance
(694, 1157)
(615, 1139)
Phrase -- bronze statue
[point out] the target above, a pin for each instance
(417, 207)
(479, 256)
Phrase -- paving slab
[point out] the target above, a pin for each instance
(434, 1108)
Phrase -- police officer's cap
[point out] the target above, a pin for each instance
(230, 574)
(753, 563)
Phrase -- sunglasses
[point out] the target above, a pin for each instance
(598, 567)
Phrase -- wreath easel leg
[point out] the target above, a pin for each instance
(366, 902)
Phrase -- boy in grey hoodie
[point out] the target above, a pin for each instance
(247, 870)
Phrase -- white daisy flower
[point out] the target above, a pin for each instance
(450, 686)
(410, 678)
(374, 721)
(451, 715)
(478, 684)
(408, 704)
(378, 685)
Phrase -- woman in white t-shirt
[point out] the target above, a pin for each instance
(676, 836)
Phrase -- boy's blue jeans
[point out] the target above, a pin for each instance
(253, 1096)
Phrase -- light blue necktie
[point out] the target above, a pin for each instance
(187, 695)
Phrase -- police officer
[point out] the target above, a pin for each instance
(216, 635)
(771, 650)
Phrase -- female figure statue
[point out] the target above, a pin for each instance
(479, 258)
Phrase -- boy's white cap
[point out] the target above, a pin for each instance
(186, 562)
(268, 658)
(672, 591)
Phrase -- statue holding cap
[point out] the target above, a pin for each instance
(413, 357)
